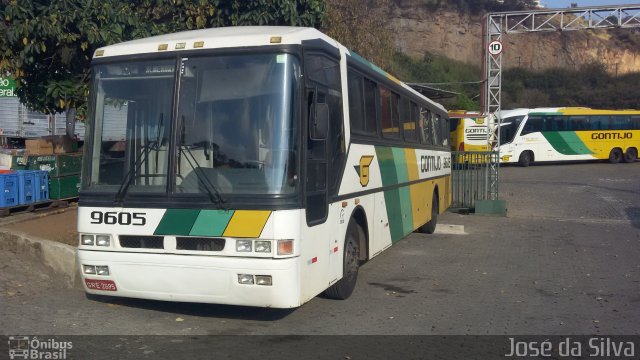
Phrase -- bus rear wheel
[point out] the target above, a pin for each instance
(342, 289)
(430, 227)
(631, 155)
(615, 156)
(526, 158)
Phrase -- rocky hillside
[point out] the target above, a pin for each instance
(420, 30)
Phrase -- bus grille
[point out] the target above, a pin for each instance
(477, 137)
(142, 242)
(199, 244)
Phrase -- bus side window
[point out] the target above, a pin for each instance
(408, 122)
(635, 123)
(389, 113)
(442, 130)
(619, 122)
(371, 124)
(533, 124)
(356, 103)
(578, 123)
(426, 126)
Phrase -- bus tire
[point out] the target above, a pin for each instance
(631, 155)
(343, 288)
(526, 158)
(615, 156)
(430, 226)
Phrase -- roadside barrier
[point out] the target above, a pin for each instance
(470, 172)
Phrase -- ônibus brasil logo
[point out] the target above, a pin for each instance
(25, 347)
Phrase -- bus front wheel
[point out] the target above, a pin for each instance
(526, 158)
(615, 156)
(430, 227)
(342, 289)
(631, 155)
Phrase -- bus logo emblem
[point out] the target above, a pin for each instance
(363, 169)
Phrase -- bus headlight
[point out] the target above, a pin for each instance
(103, 240)
(102, 270)
(264, 280)
(243, 245)
(263, 246)
(86, 239)
(89, 269)
(245, 279)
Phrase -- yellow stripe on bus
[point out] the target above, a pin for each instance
(600, 142)
(247, 223)
(418, 192)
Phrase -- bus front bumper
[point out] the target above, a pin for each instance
(202, 279)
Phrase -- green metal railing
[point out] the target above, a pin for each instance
(470, 172)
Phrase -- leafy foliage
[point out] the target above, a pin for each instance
(589, 86)
(47, 45)
(444, 73)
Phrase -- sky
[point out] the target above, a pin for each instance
(585, 3)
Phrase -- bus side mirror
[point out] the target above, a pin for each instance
(319, 126)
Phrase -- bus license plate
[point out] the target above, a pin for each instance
(104, 285)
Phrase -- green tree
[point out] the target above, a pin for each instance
(462, 102)
(47, 45)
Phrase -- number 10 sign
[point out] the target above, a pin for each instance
(495, 47)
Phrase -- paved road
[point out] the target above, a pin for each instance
(565, 261)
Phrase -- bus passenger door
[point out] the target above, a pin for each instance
(317, 164)
(325, 159)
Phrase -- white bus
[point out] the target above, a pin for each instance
(568, 134)
(260, 166)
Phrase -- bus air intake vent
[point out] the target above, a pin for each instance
(199, 244)
(142, 242)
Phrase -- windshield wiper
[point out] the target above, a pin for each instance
(214, 195)
(130, 175)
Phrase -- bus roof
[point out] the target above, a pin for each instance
(458, 114)
(215, 38)
(235, 36)
(565, 111)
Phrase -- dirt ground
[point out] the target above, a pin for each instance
(57, 227)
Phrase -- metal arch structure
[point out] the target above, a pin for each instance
(518, 22)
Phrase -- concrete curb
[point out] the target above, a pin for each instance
(61, 258)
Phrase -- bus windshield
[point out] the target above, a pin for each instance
(508, 128)
(234, 133)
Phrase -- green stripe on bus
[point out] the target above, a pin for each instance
(400, 162)
(177, 222)
(576, 144)
(211, 223)
(394, 214)
(387, 166)
(566, 142)
(389, 176)
(393, 170)
(402, 175)
(372, 66)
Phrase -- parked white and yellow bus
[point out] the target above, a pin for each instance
(261, 166)
(468, 131)
(569, 134)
